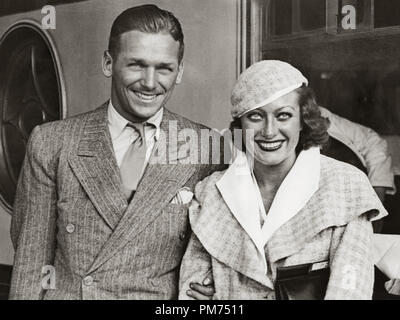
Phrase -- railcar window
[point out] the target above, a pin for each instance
(281, 17)
(355, 71)
(387, 13)
(29, 95)
(312, 14)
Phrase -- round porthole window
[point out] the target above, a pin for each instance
(30, 94)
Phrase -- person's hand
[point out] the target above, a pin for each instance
(204, 291)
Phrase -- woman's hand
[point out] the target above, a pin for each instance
(204, 291)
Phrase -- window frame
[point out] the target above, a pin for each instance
(50, 44)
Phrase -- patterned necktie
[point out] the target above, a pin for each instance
(133, 161)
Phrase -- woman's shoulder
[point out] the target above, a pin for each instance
(348, 189)
(333, 170)
(344, 180)
(332, 165)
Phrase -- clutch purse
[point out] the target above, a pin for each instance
(300, 282)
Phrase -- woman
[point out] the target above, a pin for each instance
(281, 203)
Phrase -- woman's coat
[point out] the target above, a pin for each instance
(321, 214)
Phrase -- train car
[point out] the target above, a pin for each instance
(51, 54)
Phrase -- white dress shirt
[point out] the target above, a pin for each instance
(122, 136)
(369, 147)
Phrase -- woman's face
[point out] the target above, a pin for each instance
(277, 127)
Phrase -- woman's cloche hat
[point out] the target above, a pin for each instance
(262, 83)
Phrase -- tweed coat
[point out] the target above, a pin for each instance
(332, 229)
(71, 213)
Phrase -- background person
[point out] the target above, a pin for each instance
(370, 149)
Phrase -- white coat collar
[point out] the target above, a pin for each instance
(296, 190)
(242, 196)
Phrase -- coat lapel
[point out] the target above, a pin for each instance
(225, 238)
(295, 191)
(230, 231)
(239, 193)
(159, 184)
(95, 167)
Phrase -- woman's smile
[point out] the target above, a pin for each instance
(270, 145)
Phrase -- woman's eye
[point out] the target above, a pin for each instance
(254, 117)
(284, 116)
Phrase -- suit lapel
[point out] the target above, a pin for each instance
(95, 167)
(158, 186)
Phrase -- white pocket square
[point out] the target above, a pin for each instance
(183, 196)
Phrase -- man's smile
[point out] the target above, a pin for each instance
(146, 97)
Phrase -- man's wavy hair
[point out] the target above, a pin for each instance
(315, 127)
(146, 18)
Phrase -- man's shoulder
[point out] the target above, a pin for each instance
(53, 136)
(59, 127)
(183, 121)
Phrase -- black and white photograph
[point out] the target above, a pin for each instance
(202, 150)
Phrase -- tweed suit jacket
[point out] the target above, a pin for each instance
(70, 212)
(333, 229)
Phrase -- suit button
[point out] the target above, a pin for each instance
(88, 281)
(70, 228)
(154, 282)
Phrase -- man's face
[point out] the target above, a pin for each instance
(144, 73)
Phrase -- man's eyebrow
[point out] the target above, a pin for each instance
(139, 61)
(165, 65)
(146, 63)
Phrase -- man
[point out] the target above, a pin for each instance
(96, 210)
(371, 150)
